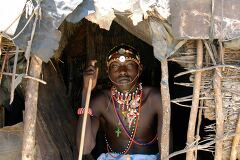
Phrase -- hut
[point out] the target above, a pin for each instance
(190, 51)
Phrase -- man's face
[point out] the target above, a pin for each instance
(124, 73)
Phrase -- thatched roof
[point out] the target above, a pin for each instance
(42, 33)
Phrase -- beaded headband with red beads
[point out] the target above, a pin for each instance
(122, 50)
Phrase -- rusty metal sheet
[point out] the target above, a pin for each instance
(192, 19)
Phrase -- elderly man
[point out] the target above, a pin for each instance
(130, 114)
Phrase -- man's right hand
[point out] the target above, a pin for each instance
(91, 72)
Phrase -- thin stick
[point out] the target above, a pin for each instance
(14, 75)
(184, 84)
(206, 69)
(182, 105)
(198, 147)
(166, 105)
(210, 52)
(85, 119)
(24, 76)
(195, 101)
(235, 142)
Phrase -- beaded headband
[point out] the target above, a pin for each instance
(122, 51)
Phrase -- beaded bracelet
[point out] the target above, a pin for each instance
(81, 111)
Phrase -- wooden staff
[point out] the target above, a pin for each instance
(85, 119)
(84, 123)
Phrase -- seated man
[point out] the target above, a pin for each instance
(130, 113)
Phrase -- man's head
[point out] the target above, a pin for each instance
(123, 66)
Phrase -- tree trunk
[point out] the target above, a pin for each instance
(29, 143)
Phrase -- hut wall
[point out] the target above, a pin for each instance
(55, 120)
(228, 63)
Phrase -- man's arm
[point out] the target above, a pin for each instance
(91, 72)
(90, 133)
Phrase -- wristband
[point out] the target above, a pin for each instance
(81, 111)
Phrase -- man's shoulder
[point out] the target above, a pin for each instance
(99, 101)
(150, 90)
(152, 97)
(101, 94)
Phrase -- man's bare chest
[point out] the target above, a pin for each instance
(144, 121)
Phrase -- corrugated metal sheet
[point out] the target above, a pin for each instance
(47, 35)
(193, 19)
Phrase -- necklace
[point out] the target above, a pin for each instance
(129, 133)
(132, 115)
(128, 103)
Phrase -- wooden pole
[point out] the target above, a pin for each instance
(1, 45)
(217, 86)
(236, 140)
(219, 114)
(85, 119)
(31, 99)
(166, 105)
(195, 101)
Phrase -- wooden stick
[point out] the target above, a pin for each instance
(210, 52)
(14, 75)
(166, 105)
(85, 119)
(198, 147)
(217, 86)
(30, 116)
(236, 140)
(207, 68)
(195, 101)
(25, 76)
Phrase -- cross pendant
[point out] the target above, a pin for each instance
(118, 131)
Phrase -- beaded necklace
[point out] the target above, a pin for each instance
(125, 101)
(129, 105)
(132, 116)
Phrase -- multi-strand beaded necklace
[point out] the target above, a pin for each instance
(129, 105)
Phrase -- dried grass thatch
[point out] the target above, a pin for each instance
(230, 79)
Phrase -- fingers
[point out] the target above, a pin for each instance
(91, 68)
(97, 72)
(93, 62)
(91, 72)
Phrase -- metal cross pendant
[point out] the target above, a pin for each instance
(118, 131)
